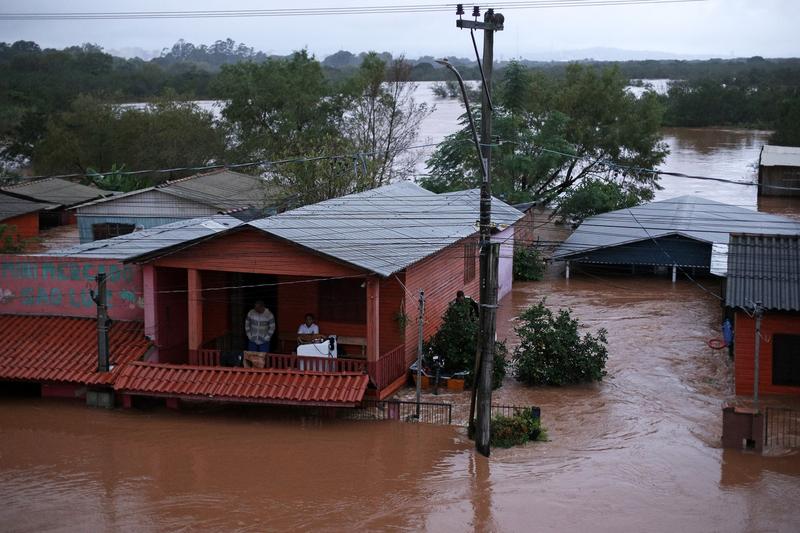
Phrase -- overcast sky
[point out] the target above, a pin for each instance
(719, 28)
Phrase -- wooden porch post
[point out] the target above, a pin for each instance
(195, 300)
(373, 319)
(149, 297)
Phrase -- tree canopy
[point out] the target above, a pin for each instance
(553, 133)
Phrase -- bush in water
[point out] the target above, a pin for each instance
(528, 264)
(552, 352)
(508, 431)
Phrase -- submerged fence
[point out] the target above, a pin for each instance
(405, 411)
(429, 412)
(781, 428)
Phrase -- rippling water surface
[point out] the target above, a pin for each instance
(637, 452)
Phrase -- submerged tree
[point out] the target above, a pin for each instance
(336, 139)
(104, 137)
(555, 133)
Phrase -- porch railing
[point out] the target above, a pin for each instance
(389, 367)
(313, 364)
(205, 357)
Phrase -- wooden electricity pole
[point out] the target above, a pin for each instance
(492, 22)
(101, 299)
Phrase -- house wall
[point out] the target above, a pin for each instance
(45, 285)
(744, 347)
(250, 250)
(524, 227)
(780, 177)
(22, 227)
(171, 315)
(300, 295)
(440, 276)
(147, 209)
(505, 265)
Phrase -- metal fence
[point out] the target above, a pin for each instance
(781, 428)
(406, 411)
(511, 410)
(429, 412)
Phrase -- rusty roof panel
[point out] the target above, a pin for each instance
(63, 349)
(242, 384)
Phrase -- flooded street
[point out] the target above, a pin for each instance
(637, 452)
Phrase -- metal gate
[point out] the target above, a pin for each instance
(781, 428)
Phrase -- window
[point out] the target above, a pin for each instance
(343, 300)
(470, 249)
(107, 230)
(786, 360)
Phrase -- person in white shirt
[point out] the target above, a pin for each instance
(308, 330)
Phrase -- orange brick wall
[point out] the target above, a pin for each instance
(440, 276)
(24, 226)
(744, 364)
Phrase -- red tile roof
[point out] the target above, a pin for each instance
(48, 348)
(294, 387)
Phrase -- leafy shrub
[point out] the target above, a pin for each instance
(593, 197)
(457, 342)
(508, 431)
(528, 264)
(552, 352)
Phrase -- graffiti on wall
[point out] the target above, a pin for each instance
(59, 286)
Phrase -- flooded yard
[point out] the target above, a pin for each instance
(637, 452)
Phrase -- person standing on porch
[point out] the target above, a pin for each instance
(259, 327)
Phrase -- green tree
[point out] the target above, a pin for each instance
(555, 133)
(595, 196)
(457, 342)
(787, 129)
(552, 352)
(103, 137)
(383, 119)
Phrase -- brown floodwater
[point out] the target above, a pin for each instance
(637, 452)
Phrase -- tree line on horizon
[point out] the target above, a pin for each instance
(60, 113)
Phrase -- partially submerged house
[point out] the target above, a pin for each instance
(687, 232)
(56, 196)
(202, 195)
(764, 271)
(779, 171)
(19, 220)
(358, 263)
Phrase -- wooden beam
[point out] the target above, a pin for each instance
(195, 300)
(149, 297)
(373, 319)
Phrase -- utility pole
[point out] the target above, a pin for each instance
(419, 345)
(102, 323)
(492, 22)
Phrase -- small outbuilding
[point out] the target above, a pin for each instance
(779, 171)
(687, 232)
(55, 196)
(764, 276)
(202, 195)
(19, 220)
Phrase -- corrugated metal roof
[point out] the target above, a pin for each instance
(224, 190)
(780, 156)
(766, 269)
(132, 245)
(384, 230)
(243, 384)
(11, 206)
(690, 216)
(49, 348)
(56, 191)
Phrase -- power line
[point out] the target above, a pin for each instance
(316, 12)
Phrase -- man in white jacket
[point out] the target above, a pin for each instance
(259, 327)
